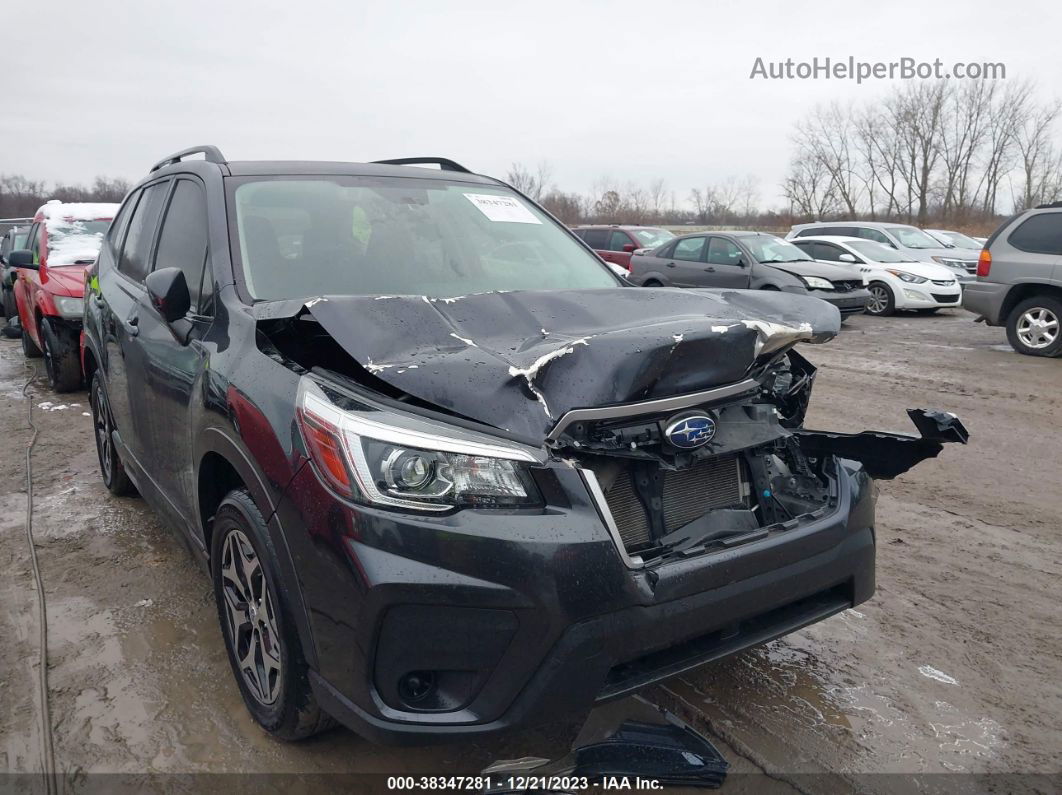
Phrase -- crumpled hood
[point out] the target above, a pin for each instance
(520, 360)
(823, 270)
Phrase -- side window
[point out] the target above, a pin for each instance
(596, 238)
(873, 234)
(827, 252)
(137, 247)
(121, 221)
(618, 241)
(1039, 234)
(689, 249)
(183, 239)
(33, 242)
(723, 252)
(579, 233)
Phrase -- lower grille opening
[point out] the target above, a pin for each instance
(657, 665)
(940, 298)
(688, 494)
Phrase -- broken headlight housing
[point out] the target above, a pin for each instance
(382, 458)
(816, 283)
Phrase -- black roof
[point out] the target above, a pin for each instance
(403, 167)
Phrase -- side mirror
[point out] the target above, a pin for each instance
(848, 258)
(23, 258)
(628, 247)
(169, 293)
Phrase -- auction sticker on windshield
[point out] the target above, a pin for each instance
(502, 208)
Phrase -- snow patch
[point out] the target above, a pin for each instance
(932, 673)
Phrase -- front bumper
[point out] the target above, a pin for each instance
(850, 303)
(986, 299)
(925, 296)
(524, 616)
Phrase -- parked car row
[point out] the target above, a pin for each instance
(448, 472)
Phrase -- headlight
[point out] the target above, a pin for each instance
(404, 461)
(954, 264)
(904, 276)
(815, 283)
(70, 307)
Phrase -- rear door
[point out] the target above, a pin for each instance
(170, 358)
(726, 266)
(686, 266)
(620, 247)
(597, 239)
(121, 288)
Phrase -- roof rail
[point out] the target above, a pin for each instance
(1049, 206)
(444, 163)
(212, 154)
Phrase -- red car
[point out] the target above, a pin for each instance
(63, 241)
(616, 243)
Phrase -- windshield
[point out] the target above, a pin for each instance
(960, 240)
(876, 252)
(768, 248)
(913, 237)
(652, 238)
(75, 241)
(305, 236)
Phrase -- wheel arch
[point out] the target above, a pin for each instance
(1023, 291)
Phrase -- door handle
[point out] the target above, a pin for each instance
(132, 325)
(671, 264)
(709, 269)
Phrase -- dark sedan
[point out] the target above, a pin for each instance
(748, 260)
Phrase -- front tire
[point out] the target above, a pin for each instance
(61, 359)
(263, 646)
(882, 302)
(1034, 327)
(111, 469)
(29, 347)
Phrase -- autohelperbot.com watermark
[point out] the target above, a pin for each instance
(851, 68)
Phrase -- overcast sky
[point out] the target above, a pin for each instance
(629, 91)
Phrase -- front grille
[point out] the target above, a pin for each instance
(940, 298)
(687, 495)
(845, 286)
(944, 282)
(970, 265)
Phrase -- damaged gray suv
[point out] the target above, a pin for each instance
(448, 473)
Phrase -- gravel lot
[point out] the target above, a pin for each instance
(954, 666)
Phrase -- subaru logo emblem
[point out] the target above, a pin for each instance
(690, 431)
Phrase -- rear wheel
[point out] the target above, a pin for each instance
(111, 469)
(1035, 327)
(260, 637)
(881, 303)
(61, 358)
(652, 283)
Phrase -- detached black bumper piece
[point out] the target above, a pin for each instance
(886, 455)
(637, 741)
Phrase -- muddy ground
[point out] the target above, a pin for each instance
(954, 666)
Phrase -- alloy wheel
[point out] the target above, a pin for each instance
(102, 420)
(879, 300)
(251, 617)
(1037, 328)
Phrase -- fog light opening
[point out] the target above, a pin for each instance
(416, 686)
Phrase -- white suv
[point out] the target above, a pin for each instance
(894, 281)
